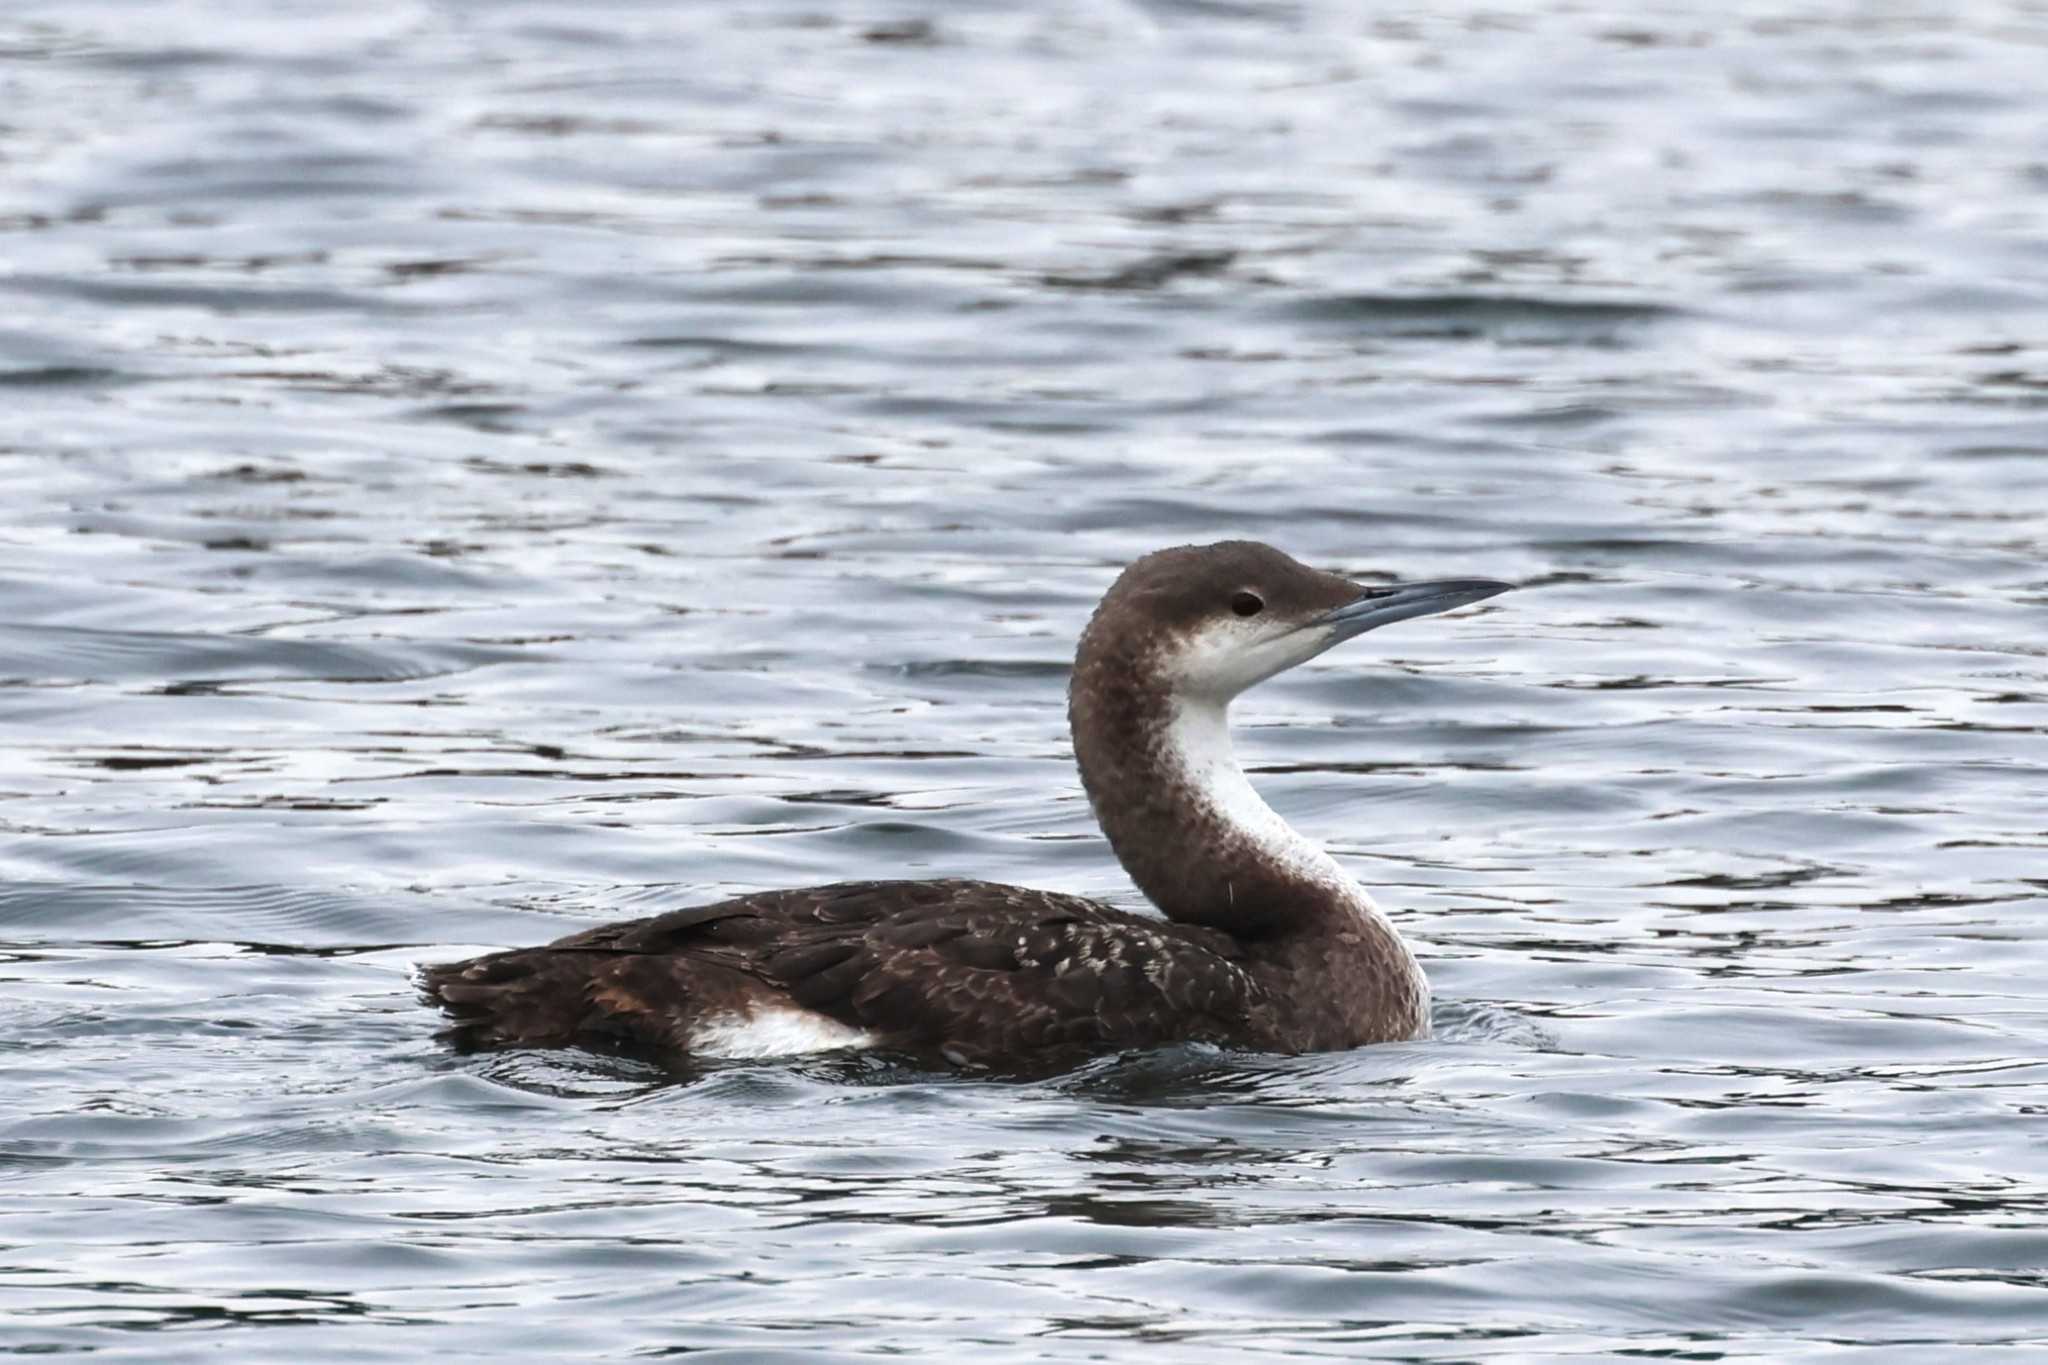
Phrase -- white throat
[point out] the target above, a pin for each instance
(1198, 743)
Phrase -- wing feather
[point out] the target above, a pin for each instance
(975, 971)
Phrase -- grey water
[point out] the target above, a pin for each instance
(474, 470)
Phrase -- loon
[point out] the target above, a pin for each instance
(1266, 943)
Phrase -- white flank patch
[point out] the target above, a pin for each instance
(773, 1032)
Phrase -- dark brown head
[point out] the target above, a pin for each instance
(1209, 621)
(1179, 634)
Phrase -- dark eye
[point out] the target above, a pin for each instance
(1247, 604)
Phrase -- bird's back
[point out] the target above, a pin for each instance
(979, 973)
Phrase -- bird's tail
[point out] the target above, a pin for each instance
(527, 997)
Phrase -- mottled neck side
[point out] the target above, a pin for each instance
(1185, 821)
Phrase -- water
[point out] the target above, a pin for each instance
(476, 470)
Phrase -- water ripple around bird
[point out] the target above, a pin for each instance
(477, 471)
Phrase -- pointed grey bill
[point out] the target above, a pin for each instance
(1382, 606)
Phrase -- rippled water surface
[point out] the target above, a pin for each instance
(474, 470)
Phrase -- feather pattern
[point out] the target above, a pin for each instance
(1266, 942)
(966, 970)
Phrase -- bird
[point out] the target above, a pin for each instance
(1261, 941)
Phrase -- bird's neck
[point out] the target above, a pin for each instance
(1188, 826)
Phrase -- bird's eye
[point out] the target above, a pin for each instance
(1247, 604)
